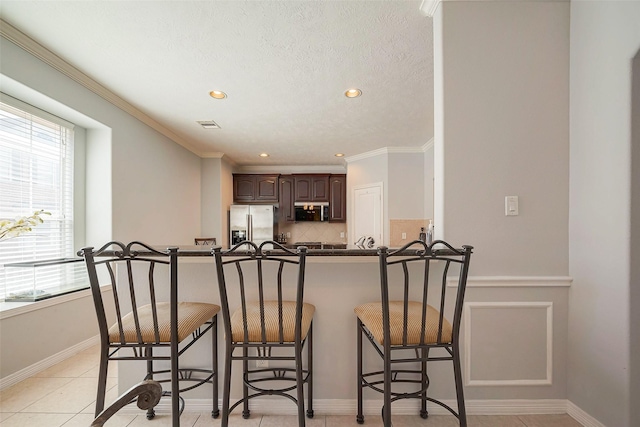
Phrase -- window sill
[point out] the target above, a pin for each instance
(10, 309)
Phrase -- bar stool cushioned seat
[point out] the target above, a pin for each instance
(271, 316)
(191, 315)
(371, 316)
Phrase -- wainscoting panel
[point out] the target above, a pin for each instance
(508, 343)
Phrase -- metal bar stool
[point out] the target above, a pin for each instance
(270, 322)
(417, 324)
(149, 327)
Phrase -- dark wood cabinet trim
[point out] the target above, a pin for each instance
(286, 211)
(338, 199)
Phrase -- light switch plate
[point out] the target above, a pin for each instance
(511, 206)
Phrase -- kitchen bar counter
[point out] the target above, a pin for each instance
(534, 312)
(327, 250)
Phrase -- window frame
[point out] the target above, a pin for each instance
(68, 277)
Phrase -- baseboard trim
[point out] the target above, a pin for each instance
(30, 371)
(276, 406)
(581, 416)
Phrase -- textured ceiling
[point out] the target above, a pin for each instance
(284, 65)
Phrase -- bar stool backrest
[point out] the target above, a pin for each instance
(419, 273)
(137, 274)
(204, 241)
(249, 273)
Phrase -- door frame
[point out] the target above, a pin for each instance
(352, 228)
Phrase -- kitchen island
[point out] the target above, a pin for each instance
(337, 280)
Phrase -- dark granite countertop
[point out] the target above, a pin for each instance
(325, 250)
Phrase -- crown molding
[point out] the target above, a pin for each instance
(26, 43)
(212, 155)
(366, 155)
(405, 150)
(293, 169)
(390, 150)
(428, 7)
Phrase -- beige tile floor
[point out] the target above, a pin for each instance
(64, 394)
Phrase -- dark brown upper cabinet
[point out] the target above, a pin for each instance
(311, 188)
(338, 202)
(286, 211)
(255, 188)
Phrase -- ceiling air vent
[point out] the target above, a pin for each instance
(208, 124)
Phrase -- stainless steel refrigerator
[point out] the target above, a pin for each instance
(251, 222)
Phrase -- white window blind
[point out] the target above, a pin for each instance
(36, 172)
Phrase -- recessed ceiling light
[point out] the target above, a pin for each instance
(208, 124)
(353, 93)
(339, 155)
(264, 155)
(217, 94)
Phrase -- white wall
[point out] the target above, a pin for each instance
(217, 196)
(98, 201)
(365, 171)
(501, 74)
(406, 185)
(428, 182)
(226, 199)
(31, 337)
(140, 185)
(605, 36)
(154, 182)
(403, 178)
(210, 196)
(634, 300)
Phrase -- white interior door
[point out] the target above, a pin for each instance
(367, 213)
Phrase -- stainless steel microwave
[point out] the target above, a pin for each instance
(311, 211)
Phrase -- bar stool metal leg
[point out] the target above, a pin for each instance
(457, 372)
(245, 390)
(148, 351)
(215, 413)
(299, 385)
(359, 416)
(226, 392)
(423, 396)
(310, 367)
(102, 381)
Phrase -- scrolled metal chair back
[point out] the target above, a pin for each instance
(129, 264)
(259, 272)
(420, 272)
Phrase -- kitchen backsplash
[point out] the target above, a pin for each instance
(411, 227)
(314, 232)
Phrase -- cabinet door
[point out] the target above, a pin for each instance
(266, 188)
(286, 210)
(312, 188)
(320, 188)
(338, 194)
(302, 188)
(244, 188)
